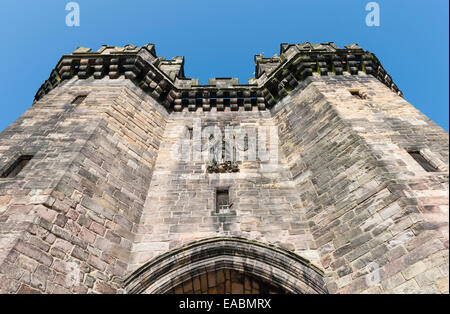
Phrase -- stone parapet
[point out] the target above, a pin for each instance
(164, 79)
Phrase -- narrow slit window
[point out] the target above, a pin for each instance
(222, 201)
(79, 99)
(418, 157)
(17, 166)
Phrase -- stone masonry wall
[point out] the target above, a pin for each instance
(46, 132)
(180, 206)
(380, 221)
(88, 183)
(105, 191)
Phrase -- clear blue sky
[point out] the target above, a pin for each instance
(220, 38)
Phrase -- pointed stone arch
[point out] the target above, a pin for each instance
(281, 270)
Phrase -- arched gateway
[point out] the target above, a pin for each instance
(227, 265)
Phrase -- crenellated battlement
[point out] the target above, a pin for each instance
(340, 187)
(165, 80)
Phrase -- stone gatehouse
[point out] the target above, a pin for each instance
(125, 176)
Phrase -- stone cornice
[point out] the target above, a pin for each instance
(164, 79)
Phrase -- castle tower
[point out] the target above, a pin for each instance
(317, 176)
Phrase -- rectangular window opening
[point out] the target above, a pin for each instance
(357, 93)
(79, 99)
(418, 157)
(191, 132)
(222, 201)
(17, 166)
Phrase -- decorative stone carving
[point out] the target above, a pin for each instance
(224, 167)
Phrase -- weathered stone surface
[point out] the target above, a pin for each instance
(106, 192)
